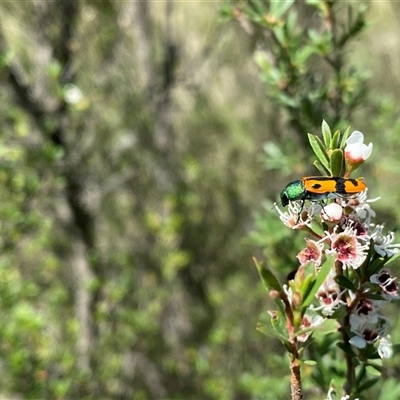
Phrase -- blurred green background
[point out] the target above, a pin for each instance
(140, 155)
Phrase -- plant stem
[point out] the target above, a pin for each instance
(295, 379)
(350, 367)
(345, 324)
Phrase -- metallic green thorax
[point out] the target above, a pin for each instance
(293, 191)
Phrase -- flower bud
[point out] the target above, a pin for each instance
(356, 152)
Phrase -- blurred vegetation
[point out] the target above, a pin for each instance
(134, 141)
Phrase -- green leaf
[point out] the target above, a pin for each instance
(262, 62)
(328, 326)
(391, 259)
(326, 134)
(278, 8)
(335, 140)
(309, 362)
(319, 150)
(321, 168)
(321, 276)
(288, 101)
(390, 390)
(292, 25)
(368, 384)
(268, 278)
(344, 282)
(227, 11)
(281, 35)
(278, 324)
(374, 296)
(339, 313)
(303, 54)
(307, 286)
(5, 58)
(337, 162)
(344, 138)
(374, 368)
(321, 41)
(255, 15)
(257, 7)
(376, 266)
(346, 348)
(316, 3)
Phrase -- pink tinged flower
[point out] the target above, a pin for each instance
(298, 216)
(329, 300)
(329, 296)
(307, 324)
(312, 253)
(273, 314)
(364, 307)
(356, 152)
(387, 283)
(368, 309)
(383, 244)
(348, 250)
(345, 248)
(359, 229)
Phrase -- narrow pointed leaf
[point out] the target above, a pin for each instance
(279, 325)
(391, 259)
(339, 313)
(307, 282)
(335, 140)
(376, 266)
(337, 162)
(268, 278)
(344, 282)
(278, 8)
(368, 384)
(375, 296)
(346, 348)
(344, 138)
(322, 274)
(319, 150)
(309, 362)
(374, 368)
(321, 168)
(326, 134)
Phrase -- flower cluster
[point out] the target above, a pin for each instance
(357, 285)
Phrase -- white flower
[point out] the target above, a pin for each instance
(383, 244)
(332, 395)
(387, 283)
(72, 94)
(368, 329)
(356, 151)
(332, 212)
(385, 349)
(361, 206)
(358, 342)
(293, 218)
